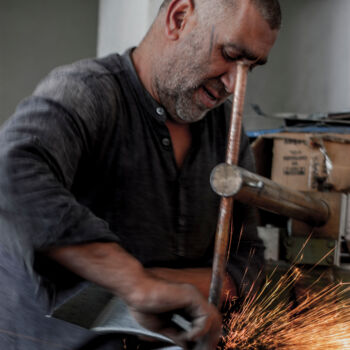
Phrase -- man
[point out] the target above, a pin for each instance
(104, 175)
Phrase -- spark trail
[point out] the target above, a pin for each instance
(266, 321)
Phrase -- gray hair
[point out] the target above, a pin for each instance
(269, 9)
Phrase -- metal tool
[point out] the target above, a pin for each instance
(223, 229)
(321, 214)
(230, 180)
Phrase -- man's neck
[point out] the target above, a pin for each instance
(143, 66)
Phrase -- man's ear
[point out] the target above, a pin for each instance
(177, 15)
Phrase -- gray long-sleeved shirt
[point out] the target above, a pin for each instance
(88, 158)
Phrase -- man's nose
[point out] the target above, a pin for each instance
(229, 78)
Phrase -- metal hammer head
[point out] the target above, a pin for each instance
(225, 180)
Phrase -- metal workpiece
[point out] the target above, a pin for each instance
(246, 187)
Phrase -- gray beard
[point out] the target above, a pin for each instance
(184, 112)
(179, 103)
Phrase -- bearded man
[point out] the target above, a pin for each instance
(105, 178)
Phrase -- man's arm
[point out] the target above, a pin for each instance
(152, 300)
(198, 277)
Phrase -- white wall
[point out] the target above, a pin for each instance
(309, 68)
(123, 23)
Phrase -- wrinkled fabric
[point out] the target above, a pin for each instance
(88, 158)
(23, 325)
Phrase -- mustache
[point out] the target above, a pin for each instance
(216, 85)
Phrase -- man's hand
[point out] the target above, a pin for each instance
(156, 304)
(152, 300)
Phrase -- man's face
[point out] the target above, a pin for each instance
(199, 73)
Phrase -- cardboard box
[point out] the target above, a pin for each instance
(304, 161)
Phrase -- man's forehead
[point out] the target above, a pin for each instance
(246, 53)
(246, 32)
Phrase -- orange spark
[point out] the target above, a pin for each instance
(267, 321)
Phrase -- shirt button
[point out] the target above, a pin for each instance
(166, 142)
(160, 111)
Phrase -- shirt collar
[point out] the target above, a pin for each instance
(152, 106)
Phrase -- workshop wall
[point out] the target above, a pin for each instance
(38, 35)
(308, 69)
(123, 23)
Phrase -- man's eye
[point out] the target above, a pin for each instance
(228, 57)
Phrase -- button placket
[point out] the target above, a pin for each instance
(181, 224)
(165, 140)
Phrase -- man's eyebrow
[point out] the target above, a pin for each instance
(248, 54)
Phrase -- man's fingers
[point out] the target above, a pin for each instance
(206, 324)
(159, 305)
(162, 325)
